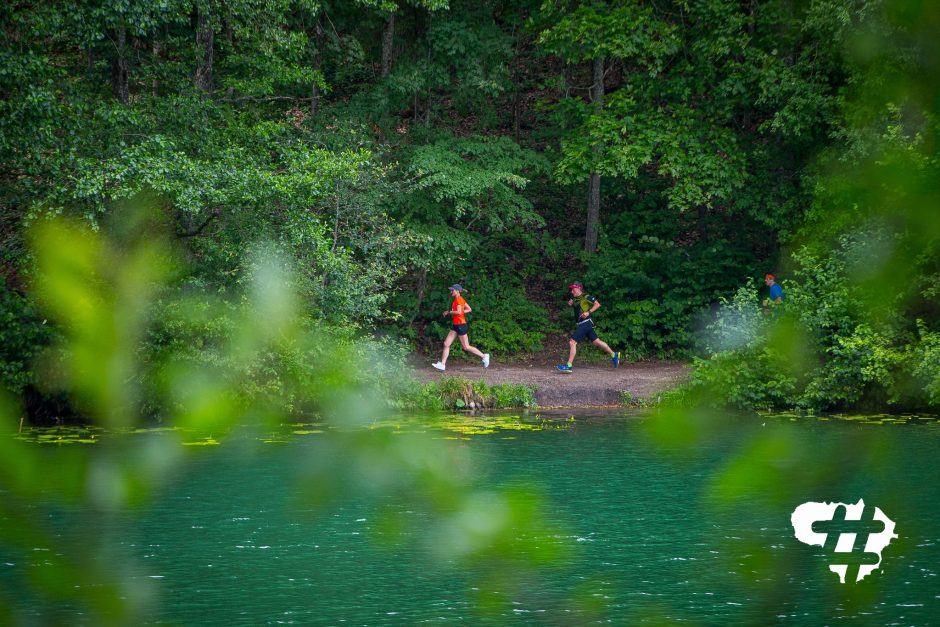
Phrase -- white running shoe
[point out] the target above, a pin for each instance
(486, 360)
(438, 365)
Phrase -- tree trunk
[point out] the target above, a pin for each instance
(119, 85)
(229, 31)
(422, 287)
(594, 190)
(314, 85)
(204, 49)
(593, 213)
(336, 221)
(388, 40)
(314, 98)
(700, 227)
(427, 115)
(155, 83)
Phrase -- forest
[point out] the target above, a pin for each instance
(666, 153)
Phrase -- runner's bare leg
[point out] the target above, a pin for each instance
(465, 342)
(603, 346)
(447, 342)
(572, 350)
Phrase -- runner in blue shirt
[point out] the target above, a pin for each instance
(776, 292)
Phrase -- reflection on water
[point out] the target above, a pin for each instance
(653, 529)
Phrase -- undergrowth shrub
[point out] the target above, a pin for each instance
(458, 393)
(824, 349)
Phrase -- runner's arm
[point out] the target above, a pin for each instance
(594, 307)
(460, 309)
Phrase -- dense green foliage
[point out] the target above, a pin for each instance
(222, 213)
(23, 335)
(826, 347)
(385, 150)
(242, 369)
(860, 325)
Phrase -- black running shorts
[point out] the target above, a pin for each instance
(585, 330)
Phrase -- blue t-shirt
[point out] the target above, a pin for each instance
(776, 292)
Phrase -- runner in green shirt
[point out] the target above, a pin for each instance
(583, 306)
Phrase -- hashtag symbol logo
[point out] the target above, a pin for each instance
(853, 534)
(842, 538)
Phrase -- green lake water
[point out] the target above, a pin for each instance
(695, 530)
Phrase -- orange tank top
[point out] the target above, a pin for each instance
(459, 318)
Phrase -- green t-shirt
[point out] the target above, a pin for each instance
(580, 305)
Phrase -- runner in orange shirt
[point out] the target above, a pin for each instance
(458, 309)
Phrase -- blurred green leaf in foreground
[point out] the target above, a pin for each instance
(218, 365)
(859, 328)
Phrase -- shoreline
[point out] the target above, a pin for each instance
(590, 385)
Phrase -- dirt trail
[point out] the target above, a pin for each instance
(589, 384)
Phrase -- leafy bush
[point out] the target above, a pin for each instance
(450, 393)
(927, 362)
(23, 335)
(746, 379)
(738, 322)
(196, 333)
(829, 350)
(865, 365)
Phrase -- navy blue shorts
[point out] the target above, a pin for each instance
(585, 330)
(461, 329)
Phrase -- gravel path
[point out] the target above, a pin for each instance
(589, 384)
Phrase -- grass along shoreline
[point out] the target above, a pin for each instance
(449, 393)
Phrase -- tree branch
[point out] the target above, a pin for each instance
(202, 227)
(263, 98)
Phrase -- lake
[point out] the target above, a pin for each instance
(639, 519)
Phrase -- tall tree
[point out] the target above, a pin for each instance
(119, 70)
(388, 9)
(388, 40)
(205, 47)
(594, 33)
(594, 188)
